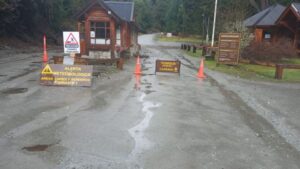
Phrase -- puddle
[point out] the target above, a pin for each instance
(3, 75)
(37, 62)
(28, 71)
(144, 56)
(149, 91)
(33, 80)
(145, 83)
(148, 74)
(142, 143)
(148, 87)
(161, 84)
(14, 90)
(37, 148)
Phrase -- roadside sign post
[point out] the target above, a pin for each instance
(168, 66)
(229, 48)
(71, 42)
(66, 75)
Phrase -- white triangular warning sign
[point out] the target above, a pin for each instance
(71, 40)
(47, 70)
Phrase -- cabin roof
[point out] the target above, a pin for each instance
(125, 10)
(120, 10)
(296, 7)
(267, 17)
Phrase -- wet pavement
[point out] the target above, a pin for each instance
(148, 121)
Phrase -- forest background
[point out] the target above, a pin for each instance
(30, 19)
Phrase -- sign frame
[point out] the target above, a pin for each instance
(175, 65)
(71, 42)
(229, 48)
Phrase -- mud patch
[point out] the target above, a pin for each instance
(14, 91)
(28, 71)
(37, 148)
(3, 75)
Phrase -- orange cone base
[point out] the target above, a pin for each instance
(201, 76)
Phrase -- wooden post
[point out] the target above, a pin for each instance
(279, 72)
(113, 38)
(204, 50)
(79, 27)
(120, 64)
(87, 36)
(123, 35)
(189, 48)
(194, 49)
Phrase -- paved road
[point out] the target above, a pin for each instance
(162, 121)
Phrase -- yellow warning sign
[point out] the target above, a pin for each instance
(47, 70)
(168, 66)
(66, 75)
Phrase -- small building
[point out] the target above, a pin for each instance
(276, 22)
(106, 27)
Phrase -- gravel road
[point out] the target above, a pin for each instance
(162, 121)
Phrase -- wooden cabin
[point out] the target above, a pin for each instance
(276, 22)
(106, 27)
(289, 22)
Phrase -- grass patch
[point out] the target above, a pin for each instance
(291, 61)
(255, 72)
(187, 39)
(251, 71)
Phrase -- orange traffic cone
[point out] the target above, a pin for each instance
(138, 66)
(45, 57)
(201, 70)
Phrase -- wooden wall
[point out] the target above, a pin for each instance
(258, 35)
(97, 13)
(125, 35)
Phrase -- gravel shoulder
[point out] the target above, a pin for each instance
(277, 103)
